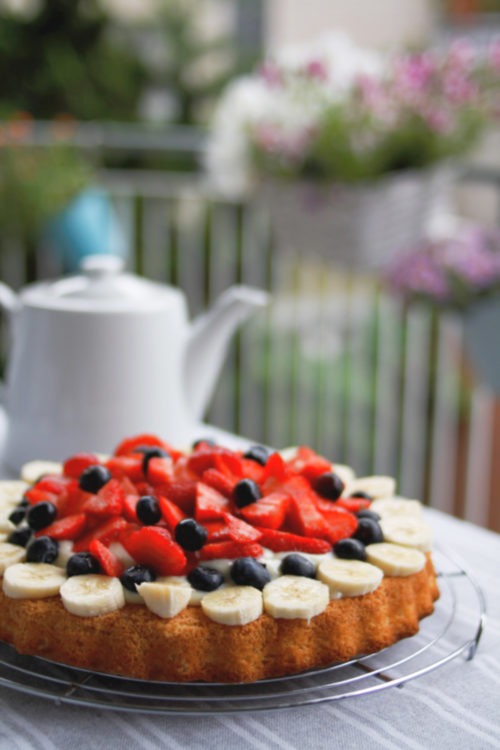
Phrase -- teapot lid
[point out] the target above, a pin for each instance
(103, 285)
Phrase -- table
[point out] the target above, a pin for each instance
(456, 706)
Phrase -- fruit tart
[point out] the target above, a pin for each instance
(211, 564)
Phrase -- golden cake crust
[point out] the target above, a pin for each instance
(190, 647)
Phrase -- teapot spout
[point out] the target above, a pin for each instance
(209, 340)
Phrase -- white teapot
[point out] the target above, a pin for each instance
(106, 354)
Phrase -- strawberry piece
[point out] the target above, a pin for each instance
(252, 470)
(283, 541)
(171, 513)
(275, 468)
(72, 500)
(153, 546)
(239, 531)
(270, 511)
(108, 501)
(129, 507)
(340, 522)
(230, 550)
(129, 445)
(126, 466)
(218, 531)
(182, 492)
(160, 470)
(309, 464)
(35, 495)
(353, 504)
(105, 532)
(303, 516)
(52, 483)
(219, 481)
(70, 527)
(230, 464)
(110, 564)
(75, 465)
(210, 504)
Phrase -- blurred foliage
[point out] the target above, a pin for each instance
(36, 181)
(67, 58)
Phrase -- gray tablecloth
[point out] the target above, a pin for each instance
(456, 706)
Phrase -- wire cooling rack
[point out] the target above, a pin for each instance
(453, 630)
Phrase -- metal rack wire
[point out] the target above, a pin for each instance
(453, 630)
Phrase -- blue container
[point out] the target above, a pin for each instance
(87, 226)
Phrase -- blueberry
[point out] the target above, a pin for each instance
(328, 485)
(41, 515)
(368, 531)
(42, 550)
(190, 534)
(82, 563)
(246, 492)
(247, 571)
(205, 579)
(258, 453)
(205, 441)
(24, 503)
(149, 452)
(93, 478)
(350, 549)
(17, 515)
(21, 537)
(148, 510)
(365, 513)
(137, 574)
(297, 565)
(361, 494)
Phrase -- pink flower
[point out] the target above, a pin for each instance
(415, 71)
(494, 55)
(271, 74)
(458, 87)
(316, 69)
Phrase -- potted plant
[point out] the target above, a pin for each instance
(347, 148)
(460, 273)
(48, 196)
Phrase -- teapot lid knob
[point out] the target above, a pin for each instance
(97, 266)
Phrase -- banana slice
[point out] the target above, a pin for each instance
(288, 453)
(11, 492)
(91, 595)
(165, 598)
(64, 553)
(33, 470)
(375, 486)
(6, 526)
(3, 537)
(10, 554)
(234, 605)
(132, 597)
(407, 531)
(395, 560)
(293, 597)
(32, 580)
(349, 577)
(387, 507)
(346, 474)
(121, 553)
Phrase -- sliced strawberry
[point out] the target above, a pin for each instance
(35, 495)
(252, 470)
(129, 507)
(72, 500)
(108, 501)
(110, 564)
(309, 464)
(126, 466)
(353, 504)
(53, 483)
(153, 546)
(340, 523)
(171, 513)
(105, 532)
(129, 445)
(270, 511)
(160, 470)
(182, 492)
(229, 464)
(275, 468)
(218, 531)
(283, 541)
(210, 504)
(230, 550)
(219, 481)
(75, 465)
(239, 531)
(303, 517)
(70, 527)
